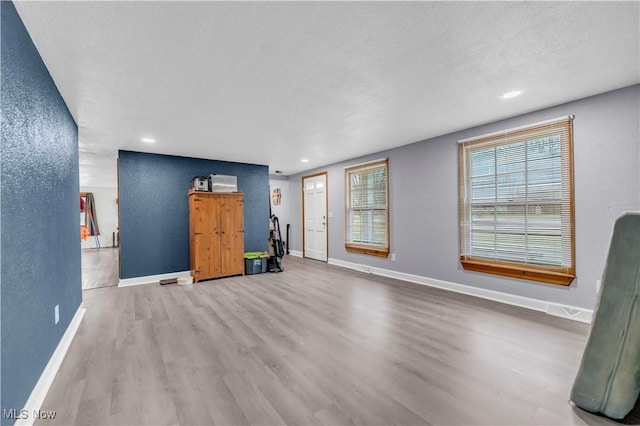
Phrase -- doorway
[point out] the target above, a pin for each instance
(314, 216)
(98, 233)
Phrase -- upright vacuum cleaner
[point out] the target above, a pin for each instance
(277, 247)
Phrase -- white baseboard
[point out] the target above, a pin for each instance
(295, 253)
(556, 309)
(43, 384)
(151, 279)
(570, 312)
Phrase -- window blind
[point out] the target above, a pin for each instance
(367, 206)
(516, 196)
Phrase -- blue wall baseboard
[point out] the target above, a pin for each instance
(154, 210)
(40, 236)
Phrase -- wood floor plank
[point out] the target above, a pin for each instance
(99, 268)
(220, 401)
(315, 345)
(254, 405)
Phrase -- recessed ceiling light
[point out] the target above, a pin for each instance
(148, 140)
(305, 160)
(511, 94)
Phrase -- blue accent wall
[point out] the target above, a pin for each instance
(40, 238)
(154, 210)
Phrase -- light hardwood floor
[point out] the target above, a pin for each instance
(315, 345)
(99, 268)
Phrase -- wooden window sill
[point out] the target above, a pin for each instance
(372, 251)
(545, 274)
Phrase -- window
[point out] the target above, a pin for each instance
(516, 202)
(367, 215)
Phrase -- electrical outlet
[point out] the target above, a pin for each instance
(330, 214)
(56, 314)
(393, 257)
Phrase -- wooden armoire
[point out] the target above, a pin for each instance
(216, 234)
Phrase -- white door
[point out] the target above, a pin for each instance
(315, 216)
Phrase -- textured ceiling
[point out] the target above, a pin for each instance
(272, 83)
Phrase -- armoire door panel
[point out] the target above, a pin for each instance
(216, 227)
(212, 221)
(232, 236)
(198, 214)
(232, 253)
(207, 260)
(231, 215)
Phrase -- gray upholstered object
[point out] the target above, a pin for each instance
(608, 380)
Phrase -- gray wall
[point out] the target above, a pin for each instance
(424, 189)
(40, 236)
(282, 211)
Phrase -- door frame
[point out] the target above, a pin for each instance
(326, 211)
(118, 214)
